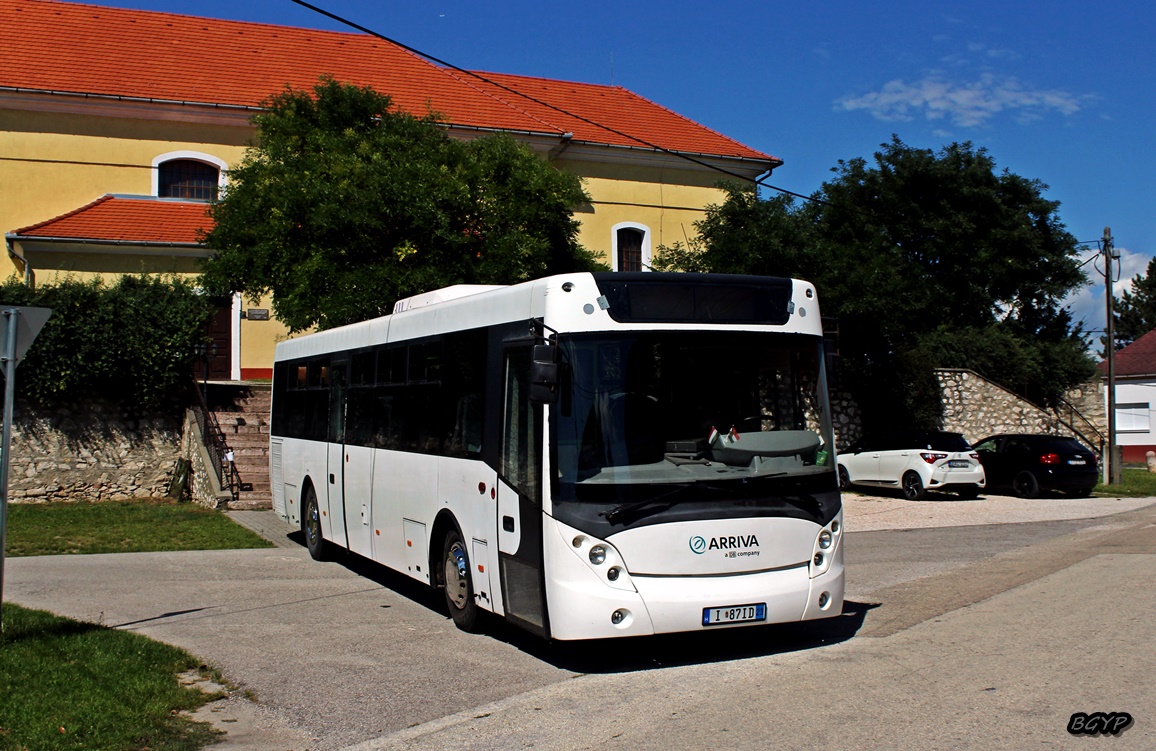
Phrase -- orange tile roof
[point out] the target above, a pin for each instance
(126, 219)
(608, 114)
(90, 49)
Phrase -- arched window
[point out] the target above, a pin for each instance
(188, 178)
(189, 175)
(631, 247)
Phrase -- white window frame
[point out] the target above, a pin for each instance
(196, 156)
(1134, 417)
(645, 243)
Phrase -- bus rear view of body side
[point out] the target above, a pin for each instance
(586, 455)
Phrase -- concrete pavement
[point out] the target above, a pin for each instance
(1070, 610)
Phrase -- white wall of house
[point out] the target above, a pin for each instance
(1135, 416)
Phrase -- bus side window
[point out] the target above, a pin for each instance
(463, 383)
(521, 457)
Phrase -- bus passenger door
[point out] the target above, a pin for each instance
(335, 472)
(520, 497)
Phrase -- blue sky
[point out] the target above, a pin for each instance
(1060, 91)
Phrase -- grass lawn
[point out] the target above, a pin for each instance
(70, 685)
(122, 527)
(1134, 483)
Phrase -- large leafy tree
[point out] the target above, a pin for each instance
(924, 259)
(1135, 311)
(346, 204)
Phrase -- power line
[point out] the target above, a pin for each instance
(354, 25)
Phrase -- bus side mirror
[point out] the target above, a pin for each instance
(544, 374)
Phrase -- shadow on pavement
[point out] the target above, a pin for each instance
(674, 650)
(633, 653)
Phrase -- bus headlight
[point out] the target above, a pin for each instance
(599, 557)
(826, 551)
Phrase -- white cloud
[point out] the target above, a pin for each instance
(965, 104)
(1087, 303)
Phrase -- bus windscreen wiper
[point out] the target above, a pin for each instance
(628, 508)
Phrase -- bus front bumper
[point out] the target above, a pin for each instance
(584, 608)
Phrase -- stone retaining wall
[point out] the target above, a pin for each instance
(204, 482)
(95, 451)
(976, 407)
(847, 419)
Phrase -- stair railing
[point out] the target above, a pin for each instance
(215, 443)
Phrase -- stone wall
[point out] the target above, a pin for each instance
(204, 482)
(94, 451)
(976, 407)
(847, 419)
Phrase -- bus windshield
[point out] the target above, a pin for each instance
(689, 407)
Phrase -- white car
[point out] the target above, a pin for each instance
(914, 461)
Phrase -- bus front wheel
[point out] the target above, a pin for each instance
(458, 584)
(311, 523)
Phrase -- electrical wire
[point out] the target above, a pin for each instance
(354, 25)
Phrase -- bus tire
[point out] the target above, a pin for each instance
(844, 478)
(311, 524)
(458, 584)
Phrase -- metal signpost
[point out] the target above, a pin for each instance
(18, 329)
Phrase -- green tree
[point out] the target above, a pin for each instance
(346, 204)
(923, 259)
(1135, 312)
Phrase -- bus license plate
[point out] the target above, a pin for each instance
(959, 464)
(734, 614)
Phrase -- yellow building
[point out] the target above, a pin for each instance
(118, 126)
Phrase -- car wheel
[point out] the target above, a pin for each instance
(844, 478)
(458, 584)
(311, 523)
(1026, 485)
(913, 487)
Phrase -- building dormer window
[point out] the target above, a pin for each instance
(631, 247)
(188, 178)
(190, 175)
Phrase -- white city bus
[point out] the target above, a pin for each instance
(585, 455)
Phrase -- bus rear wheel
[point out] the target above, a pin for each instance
(458, 584)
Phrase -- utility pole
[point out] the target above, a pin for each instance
(1112, 469)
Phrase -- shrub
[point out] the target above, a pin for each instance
(131, 341)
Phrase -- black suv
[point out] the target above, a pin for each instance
(1029, 464)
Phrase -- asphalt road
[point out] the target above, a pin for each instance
(1056, 615)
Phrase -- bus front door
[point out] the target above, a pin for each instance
(520, 498)
(335, 472)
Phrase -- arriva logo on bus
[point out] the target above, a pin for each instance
(699, 544)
